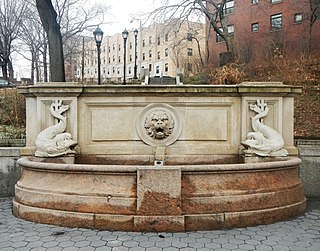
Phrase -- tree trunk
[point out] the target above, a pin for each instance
(45, 63)
(48, 18)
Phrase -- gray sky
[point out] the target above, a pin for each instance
(121, 13)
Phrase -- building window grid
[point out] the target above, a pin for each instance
(166, 52)
(298, 17)
(228, 7)
(255, 27)
(276, 22)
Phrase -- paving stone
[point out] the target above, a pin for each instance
(130, 243)
(246, 247)
(137, 249)
(299, 234)
(50, 244)
(82, 244)
(104, 248)
(114, 243)
(147, 244)
(66, 244)
(179, 244)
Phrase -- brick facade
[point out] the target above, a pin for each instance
(290, 38)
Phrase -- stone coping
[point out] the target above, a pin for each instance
(76, 89)
(290, 162)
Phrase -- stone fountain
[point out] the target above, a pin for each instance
(159, 158)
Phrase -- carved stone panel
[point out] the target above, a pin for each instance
(159, 125)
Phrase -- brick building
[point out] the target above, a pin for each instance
(264, 28)
(163, 49)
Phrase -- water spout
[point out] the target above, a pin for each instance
(159, 156)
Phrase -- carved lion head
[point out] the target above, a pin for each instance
(159, 124)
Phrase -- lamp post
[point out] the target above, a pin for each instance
(98, 35)
(135, 32)
(125, 34)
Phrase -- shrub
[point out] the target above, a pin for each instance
(229, 74)
(12, 115)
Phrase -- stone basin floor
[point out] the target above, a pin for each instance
(301, 233)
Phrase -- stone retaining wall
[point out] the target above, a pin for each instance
(309, 152)
(10, 171)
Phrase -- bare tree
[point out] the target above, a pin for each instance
(48, 18)
(11, 16)
(213, 10)
(63, 21)
(315, 15)
(34, 38)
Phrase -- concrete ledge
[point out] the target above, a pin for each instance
(309, 152)
(10, 171)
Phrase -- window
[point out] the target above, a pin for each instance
(228, 7)
(150, 40)
(109, 60)
(158, 55)
(109, 49)
(275, 1)
(143, 43)
(113, 47)
(189, 51)
(157, 69)
(218, 37)
(143, 56)
(113, 58)
(166, 37)
(119, 47)
(298, 17)
(276, 22)
(166, 52)
(189, 67)
(255, 27)
(118, 70)
(130, 58)
(230, 29)
(113, 70)
(150, 54)
(166, 67)
(129, 70)
(119, 59)
(130, 45)
(158, 40)
(150, 67)
(254, 1)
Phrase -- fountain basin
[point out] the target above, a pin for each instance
(159, 158)
(170, 198)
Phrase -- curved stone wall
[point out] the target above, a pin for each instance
(149, 198)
